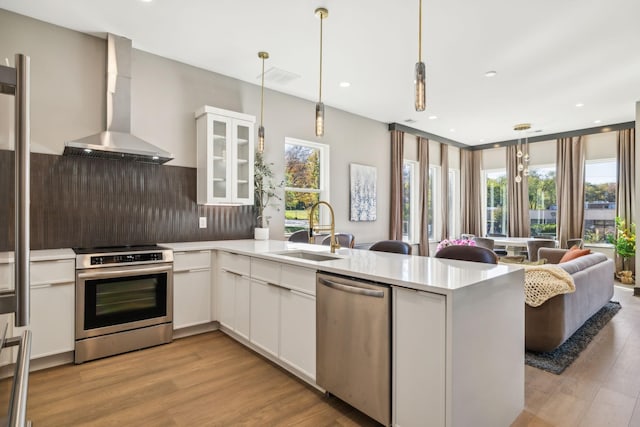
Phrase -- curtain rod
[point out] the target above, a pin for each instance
(531, 139)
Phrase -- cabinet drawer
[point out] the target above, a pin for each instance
(191, 260)
(232, 262)
(267, 271)
(50, 272)
(6, 276)
(300, 278)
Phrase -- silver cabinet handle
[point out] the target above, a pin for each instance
(351, 289)
(99, 274)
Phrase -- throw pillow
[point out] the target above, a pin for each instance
(573, 254)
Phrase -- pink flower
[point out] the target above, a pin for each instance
(459, 242)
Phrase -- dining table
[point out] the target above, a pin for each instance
(514, 245)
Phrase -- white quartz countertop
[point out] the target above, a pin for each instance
(415, 272)
(41, 255)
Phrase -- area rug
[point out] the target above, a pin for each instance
(556, 361)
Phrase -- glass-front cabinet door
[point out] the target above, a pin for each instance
(218, 162)
(225, 156)
(243, 192)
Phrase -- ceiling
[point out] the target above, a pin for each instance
(549, 55)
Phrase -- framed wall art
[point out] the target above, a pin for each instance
(363, 192)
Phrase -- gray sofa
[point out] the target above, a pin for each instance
(550, 324)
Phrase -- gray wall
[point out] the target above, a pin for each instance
(68, 85)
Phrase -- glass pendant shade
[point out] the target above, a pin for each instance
(319, 119)
(518, 178)
(526, 157)
(519, 154)
(525, 172)
(261, 139)
(520, 167)
(420, 86)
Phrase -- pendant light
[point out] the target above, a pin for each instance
(420, 70)
(322, 13)
(522, 153)
(263, 56)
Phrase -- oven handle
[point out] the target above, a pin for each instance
(111, 273)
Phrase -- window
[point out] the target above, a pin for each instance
(495, 182)
(306, 181)
(542, 201)
(599, 200)
(454, 203)
(410, 201)
(432, 224)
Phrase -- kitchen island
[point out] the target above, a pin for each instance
(457, 327)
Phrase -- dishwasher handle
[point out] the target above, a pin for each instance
(351, 289)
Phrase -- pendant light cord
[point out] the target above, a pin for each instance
(320, 94)
(420, 34)
(262, 94)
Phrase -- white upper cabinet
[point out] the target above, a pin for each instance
(225, 156)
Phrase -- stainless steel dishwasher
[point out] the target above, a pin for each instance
(354, 343)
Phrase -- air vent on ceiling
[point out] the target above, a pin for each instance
(278, 76)
(409, 121)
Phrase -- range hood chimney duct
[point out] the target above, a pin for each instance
(117, 142)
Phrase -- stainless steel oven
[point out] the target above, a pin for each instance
(124, 300)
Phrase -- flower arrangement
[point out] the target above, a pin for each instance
(625, 240)
(451, 242)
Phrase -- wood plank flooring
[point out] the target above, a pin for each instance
(210, 380)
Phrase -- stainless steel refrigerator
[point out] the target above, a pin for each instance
(14, 81)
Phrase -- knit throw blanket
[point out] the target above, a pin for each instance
(542, 282)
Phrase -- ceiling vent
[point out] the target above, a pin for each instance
(278, 76)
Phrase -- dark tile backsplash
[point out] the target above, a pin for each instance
(78, 202)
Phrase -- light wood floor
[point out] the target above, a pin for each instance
(210, 380)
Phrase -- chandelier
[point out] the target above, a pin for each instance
(522, 153)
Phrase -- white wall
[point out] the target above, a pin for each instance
(68, 101)
(637, 290)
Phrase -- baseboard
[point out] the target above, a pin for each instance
(195, 330)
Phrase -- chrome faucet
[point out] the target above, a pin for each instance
(315, 228)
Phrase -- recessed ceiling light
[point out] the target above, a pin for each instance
(345, 84)
(146, 1)
(579, 104)
(452, 130)
(597, 121)
(482, 140)
(490, 73)
(433, 117)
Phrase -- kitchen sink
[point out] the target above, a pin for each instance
(308, 255)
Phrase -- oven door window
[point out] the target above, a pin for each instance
(124, 299)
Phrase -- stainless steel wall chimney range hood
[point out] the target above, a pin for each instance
(117, 142)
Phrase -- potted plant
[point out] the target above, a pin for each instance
(625, 244)
(266, 194)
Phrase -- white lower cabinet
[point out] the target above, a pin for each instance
(419, 346)
(191, 288)
(298, 331)
(234, 293)
(242, 309)
(52, 314)
(52, 330)
(265, 308)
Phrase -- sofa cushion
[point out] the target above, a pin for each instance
(583, 262)
(574, 253)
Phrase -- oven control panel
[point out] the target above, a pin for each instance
(126, 258)
(114, 256)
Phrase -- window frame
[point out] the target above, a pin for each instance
(485, 204)
(413, 235)
(324, 183)
(613, 160)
